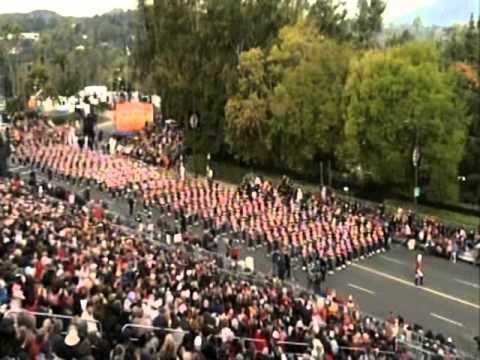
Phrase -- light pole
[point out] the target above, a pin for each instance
(415, 163)
(346, 189)
(14, 69)
(128, 64)
(193, 126)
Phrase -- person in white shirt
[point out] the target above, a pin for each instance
(112, 145)
(182, 171)
(87, 315)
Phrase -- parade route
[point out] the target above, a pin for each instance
(383, 284)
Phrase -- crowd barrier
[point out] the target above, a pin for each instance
(247, 339)
(36, 314)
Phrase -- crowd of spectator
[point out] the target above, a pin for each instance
(73, 261)
(158, 144)
(428, 232)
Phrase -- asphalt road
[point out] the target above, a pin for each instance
(448, 303)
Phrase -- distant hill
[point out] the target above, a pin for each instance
(44, 14)
(114, 27)
(35, 21)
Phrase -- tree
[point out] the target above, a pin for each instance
(247, 112)
(454, 48)
(307, 102)
(472, 42)
(468, 88)
(288, 110)
(330, 18)
(398, 96)
(368, 21)
(190, 50)
(405, 37)
(417, 27)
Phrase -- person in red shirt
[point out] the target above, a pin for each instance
(419, 270)
(97, 211)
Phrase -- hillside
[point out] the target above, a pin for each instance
(71, 52)
(112, 27)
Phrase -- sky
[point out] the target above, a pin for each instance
(438, 12)
(432, 12)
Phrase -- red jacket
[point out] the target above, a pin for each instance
(97, 213)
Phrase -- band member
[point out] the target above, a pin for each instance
(419, 270)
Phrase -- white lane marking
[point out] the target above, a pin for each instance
(361, 289)
(459, 324)
(388, 258)
(26, 172)
(476, 286)
(421, 288)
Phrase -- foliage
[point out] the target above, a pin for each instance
(405, 37)
(461, 52)
(330, 18)
(394, 97)
(307, 102)
(472, 42)
(368, 22)
(288, 110)
(247, 112)
(193, 52)
(65, 70)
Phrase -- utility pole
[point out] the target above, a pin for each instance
(415, 162)
(329, 173)
(321, 173)
(193, 125)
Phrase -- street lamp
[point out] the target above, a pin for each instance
(209, 169)
(416, 162)
(346, 189)
(416, 156)
(193, 125)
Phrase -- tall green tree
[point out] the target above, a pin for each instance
(369, 21)
(330, 18)
(307, 103)
(247, 113)
(468, 88)
(472, 42)
(398, 98)
(289, 107)
(195, 53)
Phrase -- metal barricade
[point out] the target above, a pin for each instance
(53, 316)
(306, 345)
(417, 351)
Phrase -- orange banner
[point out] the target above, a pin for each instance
(132, 116)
